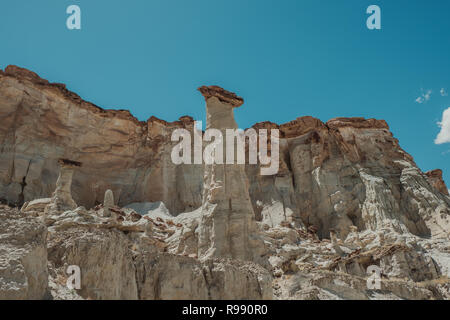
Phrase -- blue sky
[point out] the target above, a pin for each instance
(287, 58)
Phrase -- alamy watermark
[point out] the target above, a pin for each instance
(74, 279)
(74, 20)
(373, 22)
(186, 152)
(374, 281)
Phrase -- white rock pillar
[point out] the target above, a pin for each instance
(228, 228)
(62, 197)
(108, 203)
(333, 237)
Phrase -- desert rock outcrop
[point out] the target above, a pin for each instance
(227, 227)
(346, 197)
(347, 171)
(23, 256)
(435, 178)
(128, 260)
(62, 197)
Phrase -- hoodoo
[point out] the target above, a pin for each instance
(62, 197)
(227, 227)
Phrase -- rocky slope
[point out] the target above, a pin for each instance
(23, 256)
(346, 197)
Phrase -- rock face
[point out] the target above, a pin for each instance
(348, 171)
(23, 257)
(126, 259)
(44, 122)
(107, 270)
(305, 268)
(227, 227)
(346, 198)
(435, 179)
(169, 277)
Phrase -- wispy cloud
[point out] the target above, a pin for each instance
(444, 134)
(424, 96)
(443, 92)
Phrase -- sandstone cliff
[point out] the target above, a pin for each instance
(228, 227)
(23, 257)
(346, 197)
(330, 172)
(43, 122)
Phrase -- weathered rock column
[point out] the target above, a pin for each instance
(228, 228)
(62, 197)
(333, 237)
(108, 203)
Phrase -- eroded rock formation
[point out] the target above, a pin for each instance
(346, 197)
(435, 179)
(227, 227)
(347, 172)
(62, 197)
(23, 256)
(43, 122)
(128, 259)
(332, 175)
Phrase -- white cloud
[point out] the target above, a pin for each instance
(424, 97)
(444, 134)
(443, 93)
